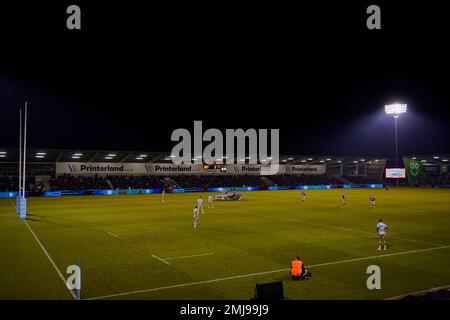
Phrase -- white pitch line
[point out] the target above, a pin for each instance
(160, 259)
(113, 234)
(264, 272)
(192, 256)
(46, 253)
(342, 228)
(49, 257)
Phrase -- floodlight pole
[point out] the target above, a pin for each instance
(20, 152)
(396, 144)
(24, 151)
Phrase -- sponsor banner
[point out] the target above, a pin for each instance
(86, 168)
(303, 169)
(164, 169)
(161, 169)
(414, 169)
(346, 186)
(237, 189)
(283, 169)
(8, 194)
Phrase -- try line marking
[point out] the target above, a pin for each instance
(264, 272)
(46, 253)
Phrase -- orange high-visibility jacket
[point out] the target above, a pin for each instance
(296, 268)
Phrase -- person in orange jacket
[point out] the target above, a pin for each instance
(298, 270)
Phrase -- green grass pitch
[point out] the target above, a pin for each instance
(145, 249)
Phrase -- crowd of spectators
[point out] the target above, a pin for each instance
(300, 180)
(219, 181)
(70, 182)
(11, 184)
(360, 179)
(434, 179)
(136, 182)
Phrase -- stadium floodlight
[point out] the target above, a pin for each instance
(329, 159)
(75, 157)
(41, 153)
(108, 158)
(445, 160)
(321, 161)
(78, 154)
(362, 160)
(310, 159)
(2, 155)
(396, 109)
(436, 157)
(339, 161)
(290, 158)
(2, 152)
(112, 155)
(143, 156)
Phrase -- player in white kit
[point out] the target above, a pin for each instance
(381, 232)
(303, 196)
(200, 205)
(195, 216)
(163, 194)
(210, 202)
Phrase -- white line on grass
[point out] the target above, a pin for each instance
(341, 228)
(160, 259)
(49, 257)
(192, 256)
(262, 273)
(113, 234)
(46, 253)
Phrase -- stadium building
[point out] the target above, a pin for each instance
(50, 171)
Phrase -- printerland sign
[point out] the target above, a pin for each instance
(161, 169)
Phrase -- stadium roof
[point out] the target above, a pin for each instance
(52, 155)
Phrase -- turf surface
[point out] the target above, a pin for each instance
(140, 245)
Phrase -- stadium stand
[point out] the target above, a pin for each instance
(340, 170)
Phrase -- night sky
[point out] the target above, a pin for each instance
(134, 74)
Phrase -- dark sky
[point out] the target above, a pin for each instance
(133, 74)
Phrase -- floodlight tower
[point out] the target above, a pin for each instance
(396, 110)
